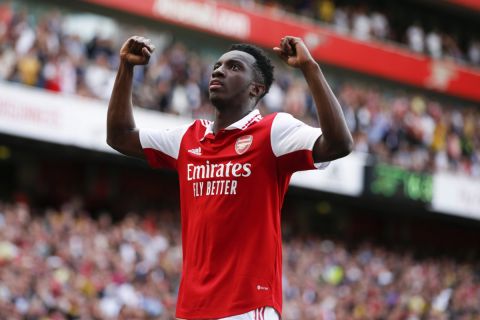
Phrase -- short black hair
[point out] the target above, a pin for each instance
(263, 66)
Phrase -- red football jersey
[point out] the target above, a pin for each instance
(232, 186)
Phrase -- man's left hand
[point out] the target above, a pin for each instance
(294, 52)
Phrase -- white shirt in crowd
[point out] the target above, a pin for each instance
(416, 38)
(434, 44)
(361, 26)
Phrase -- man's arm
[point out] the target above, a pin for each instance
(122, 135)
(336, 140)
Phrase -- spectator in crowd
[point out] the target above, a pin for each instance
(340, 21)
(433, 41)
(416, 38)
(326, 10)
(361, 24)
(380, 26)
(100, 77)
(474, 52)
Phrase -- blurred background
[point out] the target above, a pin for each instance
(390, 232)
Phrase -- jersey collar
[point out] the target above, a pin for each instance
(242, 124)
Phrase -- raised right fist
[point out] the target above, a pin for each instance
(136, 50)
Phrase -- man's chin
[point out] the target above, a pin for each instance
(217, 100)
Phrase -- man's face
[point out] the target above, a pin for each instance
(232, 77)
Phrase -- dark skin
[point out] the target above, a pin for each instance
(238, 89)
(336, 140)
(234, 89)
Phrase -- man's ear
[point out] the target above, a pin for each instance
(257, 90)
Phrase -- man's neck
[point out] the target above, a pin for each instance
(225, 118)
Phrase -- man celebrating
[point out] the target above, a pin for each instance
(233, 173)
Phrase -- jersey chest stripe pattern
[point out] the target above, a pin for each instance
(255, 119)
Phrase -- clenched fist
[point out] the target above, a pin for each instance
(294, 52)
(136, 50)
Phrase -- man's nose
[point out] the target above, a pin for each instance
(218, 72)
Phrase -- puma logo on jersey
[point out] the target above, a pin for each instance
(196, 151)
(243, 143)
(260, 288)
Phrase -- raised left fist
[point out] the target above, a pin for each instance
(294, 52)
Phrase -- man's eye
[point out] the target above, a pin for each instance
(235, 67)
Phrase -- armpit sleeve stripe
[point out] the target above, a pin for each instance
(289, 135)
(166, 141)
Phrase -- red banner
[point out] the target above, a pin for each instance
(471, 4)
(266, 29)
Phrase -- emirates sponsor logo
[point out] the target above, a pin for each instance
(243, 143)
(218, 170)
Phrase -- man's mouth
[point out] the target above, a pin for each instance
(215, 84)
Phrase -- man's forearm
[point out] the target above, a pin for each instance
(120, 115)
(334, 127)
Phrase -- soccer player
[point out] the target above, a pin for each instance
(233, 173)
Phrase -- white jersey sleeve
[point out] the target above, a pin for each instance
(161, 147)
(292, 143)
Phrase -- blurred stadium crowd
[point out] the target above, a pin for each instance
(62, 264)
(399, 23)
(400, 128)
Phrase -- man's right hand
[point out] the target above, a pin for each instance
(136, 51)
(122, 134)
